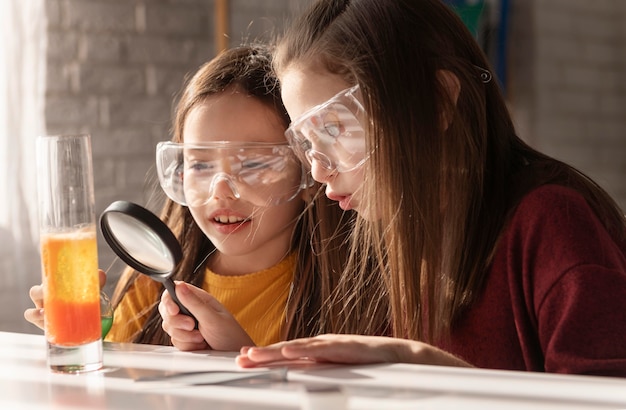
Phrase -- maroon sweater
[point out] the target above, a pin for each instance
(555, 295)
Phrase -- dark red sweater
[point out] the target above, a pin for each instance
(555, 296)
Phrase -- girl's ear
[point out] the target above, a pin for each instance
(452, 86)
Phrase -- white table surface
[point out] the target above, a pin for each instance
(26, 383)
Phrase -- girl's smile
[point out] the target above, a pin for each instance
(228, 222)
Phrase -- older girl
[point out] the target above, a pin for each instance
(492, 254)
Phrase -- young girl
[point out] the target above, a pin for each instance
(246, 215)
(493, 254)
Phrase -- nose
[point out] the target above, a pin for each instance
(223, 187)
(320, 171)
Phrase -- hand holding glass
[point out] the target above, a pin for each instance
(69, 253)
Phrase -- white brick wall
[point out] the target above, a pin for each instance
(114, 69)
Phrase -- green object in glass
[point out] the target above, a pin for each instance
(106, 314)
(107, 321)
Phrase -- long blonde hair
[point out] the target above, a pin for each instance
(444, 193)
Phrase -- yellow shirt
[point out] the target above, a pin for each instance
(257, 300)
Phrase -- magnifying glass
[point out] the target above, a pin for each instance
(144, 243)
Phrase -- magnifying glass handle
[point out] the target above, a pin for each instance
(171, 288)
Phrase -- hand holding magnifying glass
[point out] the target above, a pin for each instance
(144, 243)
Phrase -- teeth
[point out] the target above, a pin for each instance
(228, 219)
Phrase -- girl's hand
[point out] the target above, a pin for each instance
(217, 327)
(35, 315)
(348, 349)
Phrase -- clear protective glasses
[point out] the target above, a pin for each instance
(264, 174)
(331, 133)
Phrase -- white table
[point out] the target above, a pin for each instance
(26, 383)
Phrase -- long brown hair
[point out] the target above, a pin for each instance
(319, 236)
(444, 193)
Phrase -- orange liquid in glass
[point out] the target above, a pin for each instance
(71, 288)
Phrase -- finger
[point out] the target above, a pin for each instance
(102, 276)
(197, 300)
(183, 336)
(331, 348)
(313, 348)
(185, 339)
(267, 354)
(179, 322)
(187, 347)
(36, 295)
(208, 312)
(35, 316)
(172, 319)
(244, 361)
(162, 309)
(170, 307)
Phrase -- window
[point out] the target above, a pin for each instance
(22, 78)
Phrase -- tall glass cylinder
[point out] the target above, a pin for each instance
(69, 253)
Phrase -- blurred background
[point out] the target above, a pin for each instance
(113, 68)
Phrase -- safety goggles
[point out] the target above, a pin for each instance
(331, 133)
(264, 174)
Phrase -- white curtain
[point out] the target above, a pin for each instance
(22, 87)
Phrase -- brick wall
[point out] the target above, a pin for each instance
(114, 69)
